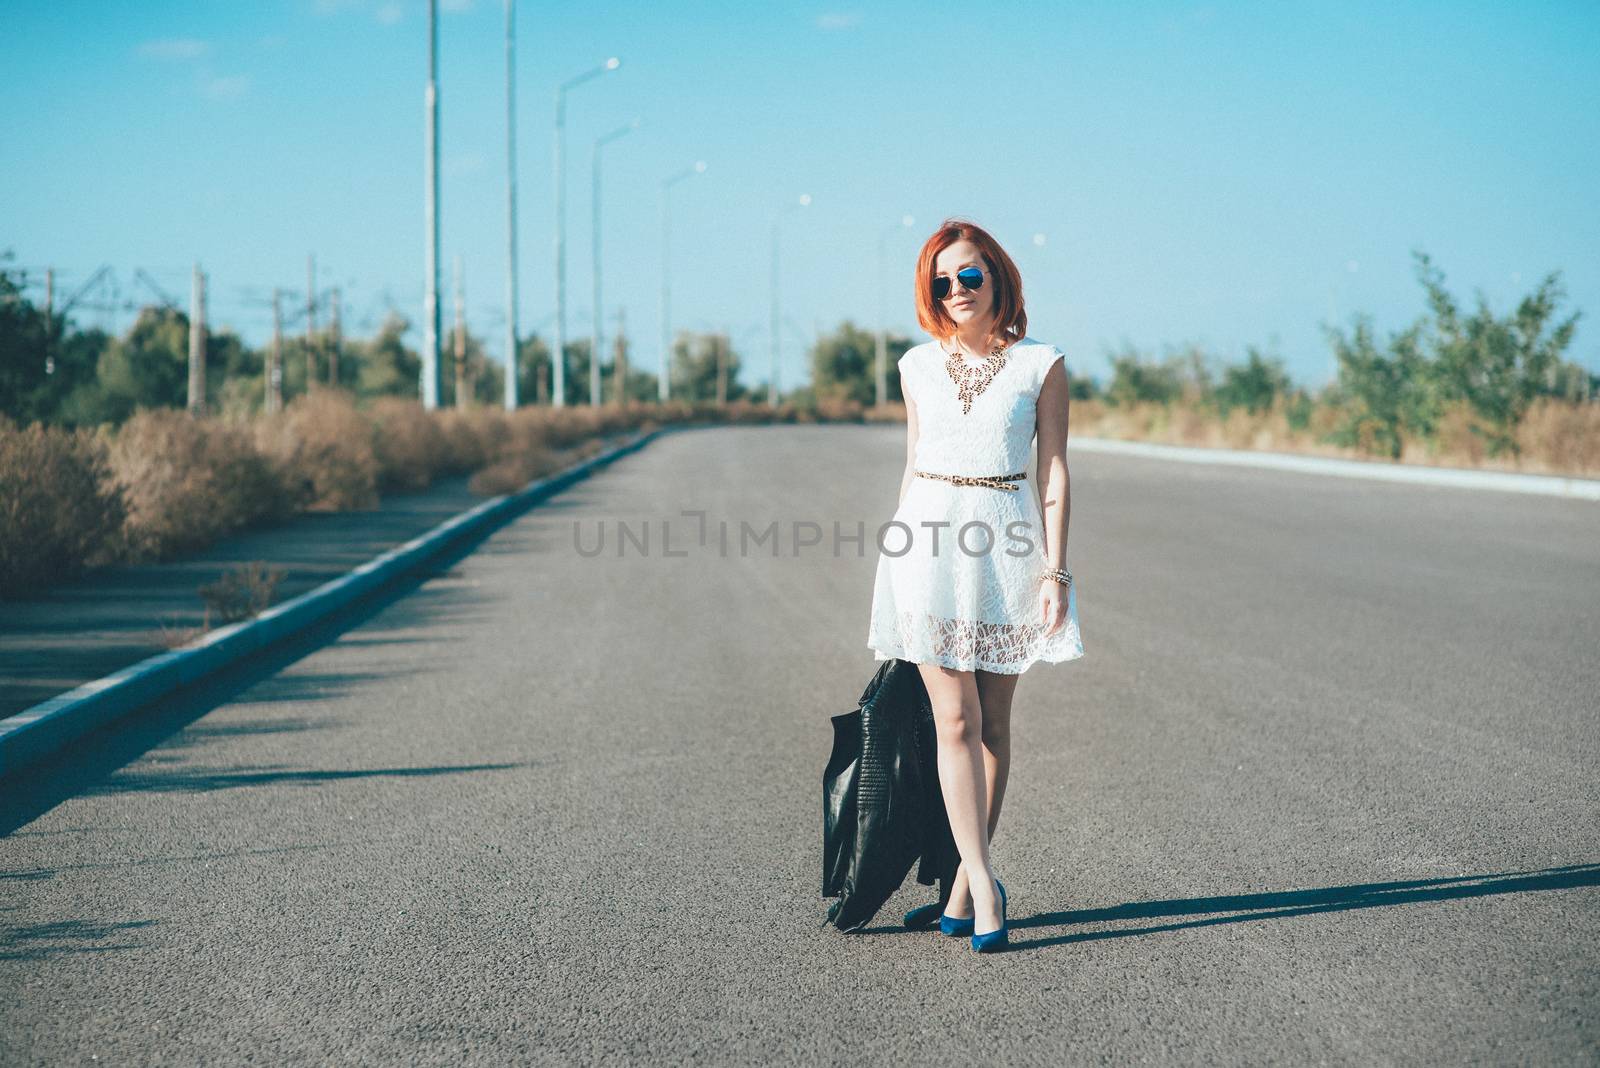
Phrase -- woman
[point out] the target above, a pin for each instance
(972, 583)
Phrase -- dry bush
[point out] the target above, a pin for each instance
(188, 480)
(1456, 439)
(525, 433)
(673, 411)
(1087, 417)
(475, 436)
(1325, 419)
(1136, 422)
(60, 510)
(174, 635)
(512, 473)
(1561, 436)
(759, 412)
(324, 452)
(892, 412)
(1555, 436)
(1277, 434)
(241, 592)
(565, 427)
(1185, 425)
(516, 451)
(1244, 429)
(841, 411)
(613, 419)
(408, 443)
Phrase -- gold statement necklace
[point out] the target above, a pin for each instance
(971, 381)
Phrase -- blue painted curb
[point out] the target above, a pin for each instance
(37, 732)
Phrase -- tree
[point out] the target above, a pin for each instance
(1497, 365)
(1253, 386)
(234, 374)
(1136, 380)
(77, 354)
(577, 380)
(39, 367)
(1383, 399)
(533, 363)
(386, 366)
(149, 366)
(694, 367)
(844, 365)
(478, 371)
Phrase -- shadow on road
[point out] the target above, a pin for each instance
(44, 940)
(1291, 903)
(199, 780)
(90, 765)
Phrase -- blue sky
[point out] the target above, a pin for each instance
(1226, 173)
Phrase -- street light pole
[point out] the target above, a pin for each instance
(558, 353)
(772, 375)
(511, 209)
(663, 389)
(430, 299)
(881, 363)
(595, 348)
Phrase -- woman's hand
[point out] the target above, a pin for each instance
(1052, 605)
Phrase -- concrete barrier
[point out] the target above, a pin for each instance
(1507, 481)
(37, 732)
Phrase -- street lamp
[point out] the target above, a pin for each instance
(511, 208)
(558, 355)
(662, 389)
(881, 370)
(772, 378)
(594, 336)
(430, 295)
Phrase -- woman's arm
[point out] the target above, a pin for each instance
(1055, 484)
(911, 444)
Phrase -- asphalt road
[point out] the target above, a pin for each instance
(1322, 790)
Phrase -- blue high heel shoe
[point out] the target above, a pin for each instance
(988, 943)
(955, 925)
(922, 916)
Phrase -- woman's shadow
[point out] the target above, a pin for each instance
(1240, 908)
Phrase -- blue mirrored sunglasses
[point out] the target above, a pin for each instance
(971, 279)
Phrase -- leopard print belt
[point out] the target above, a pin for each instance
(995, 481)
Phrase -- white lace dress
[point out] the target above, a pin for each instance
(958, 567)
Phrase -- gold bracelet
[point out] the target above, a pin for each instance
(1059, 574)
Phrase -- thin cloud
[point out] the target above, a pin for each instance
(386, 13)
(178, 48)
(230, 87)
(838, 21)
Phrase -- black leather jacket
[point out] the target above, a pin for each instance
(882, 807)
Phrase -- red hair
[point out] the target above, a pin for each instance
(1010, 318)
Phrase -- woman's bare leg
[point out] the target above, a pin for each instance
(958, 722)
(995, 691)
